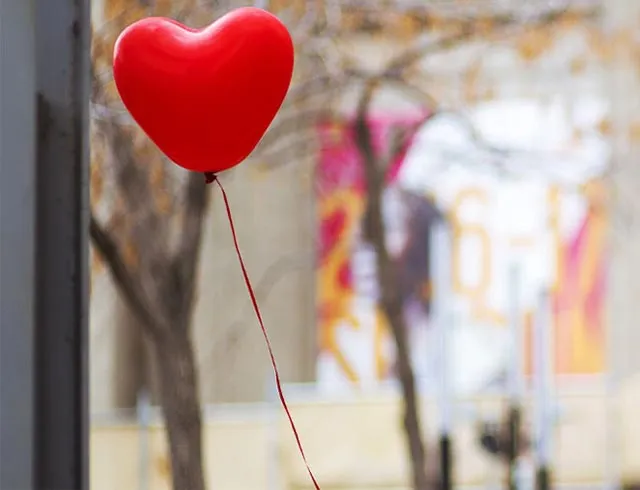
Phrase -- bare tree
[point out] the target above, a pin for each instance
(160, 289)
(150, 236)
(397, 73)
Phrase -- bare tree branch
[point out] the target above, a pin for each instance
(468, 30)
(128, 287)
(291, 125)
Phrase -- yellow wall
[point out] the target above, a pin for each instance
(353, 445)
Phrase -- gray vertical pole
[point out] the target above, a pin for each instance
(274, 482)
(612, 436)
(144, 421)
(62, 101)
(623, 259)
(516, 376)
(440, 255)
(17, 253)
(543, 374)
(516, 323)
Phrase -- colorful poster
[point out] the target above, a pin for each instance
(550, 223)
(355, 346)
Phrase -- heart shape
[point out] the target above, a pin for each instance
(205, 97)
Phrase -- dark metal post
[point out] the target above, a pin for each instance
(543, 478)
(61, 372)
(514, 423)
(43, 203)
(446, 465)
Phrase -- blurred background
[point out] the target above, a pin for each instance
(441, 228)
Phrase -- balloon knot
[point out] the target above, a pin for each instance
(209, 177)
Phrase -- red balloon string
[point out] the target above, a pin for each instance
(256, 309)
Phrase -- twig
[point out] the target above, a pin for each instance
(289, 124)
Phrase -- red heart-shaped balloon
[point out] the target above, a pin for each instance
(205, 97)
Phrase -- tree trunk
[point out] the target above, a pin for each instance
(411, 417)
(390, 296)
(180, 402)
